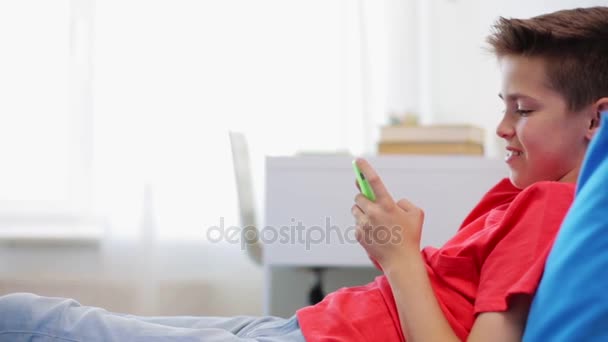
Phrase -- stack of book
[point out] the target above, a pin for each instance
(431, 139)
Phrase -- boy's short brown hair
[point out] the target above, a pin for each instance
(573, 43)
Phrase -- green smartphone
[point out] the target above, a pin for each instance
(366, 188)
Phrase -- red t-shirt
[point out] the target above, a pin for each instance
(499, 250)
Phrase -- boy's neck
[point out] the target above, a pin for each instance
(570, 177)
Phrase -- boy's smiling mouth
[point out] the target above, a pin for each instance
(511, 153)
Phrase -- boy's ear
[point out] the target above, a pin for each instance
(595, 120)
(602, 106)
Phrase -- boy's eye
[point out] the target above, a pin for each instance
(523, 112)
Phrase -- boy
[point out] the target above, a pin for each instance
(554, 71)
(479, 285)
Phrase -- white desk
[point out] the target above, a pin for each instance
(316, 193)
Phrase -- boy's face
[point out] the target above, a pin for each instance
(545, 141)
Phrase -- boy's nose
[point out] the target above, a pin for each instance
(505, 128)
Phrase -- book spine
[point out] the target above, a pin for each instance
(430, 148)
(422, 134)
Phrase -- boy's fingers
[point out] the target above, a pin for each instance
(360, 218)
(363, 203)
(410, 207)
(373, 179)
(405, 204)
(356, 211)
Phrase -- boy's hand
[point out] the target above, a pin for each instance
(385, 228)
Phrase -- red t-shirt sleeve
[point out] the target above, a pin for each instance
(518, 248)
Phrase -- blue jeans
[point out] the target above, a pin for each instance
(27, 317)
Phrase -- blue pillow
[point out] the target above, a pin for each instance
(571, 303)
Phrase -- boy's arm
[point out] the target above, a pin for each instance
(423, 320)
(420, 316)
(502, 326)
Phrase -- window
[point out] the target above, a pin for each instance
(44, 178)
